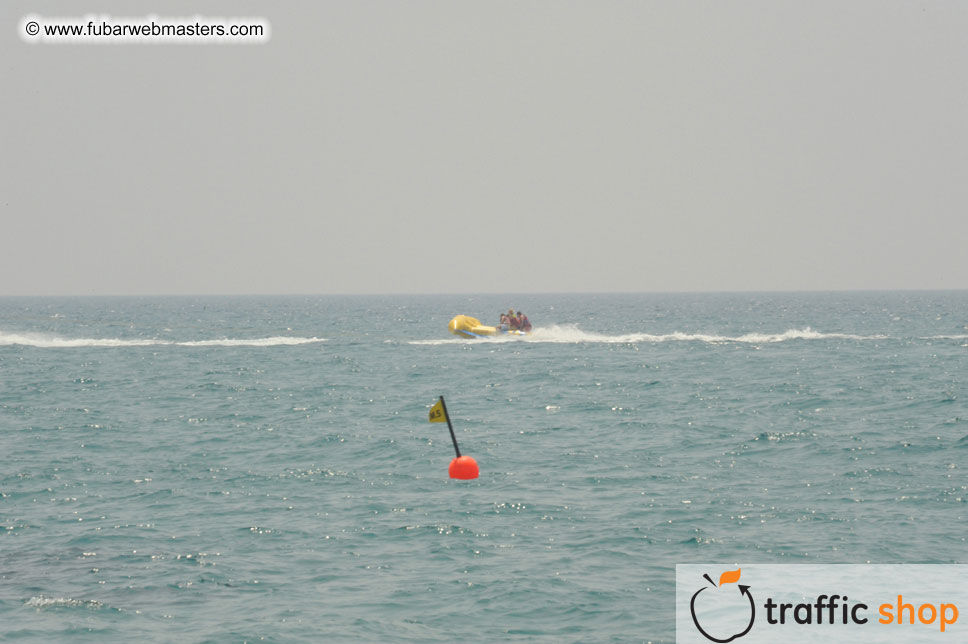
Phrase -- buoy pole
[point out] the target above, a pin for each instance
(450, 426)
(462, 467)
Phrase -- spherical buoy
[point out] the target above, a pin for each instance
(463, 467)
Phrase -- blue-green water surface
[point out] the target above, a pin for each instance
(262, 469)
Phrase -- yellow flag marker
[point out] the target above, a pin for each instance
(437, 413)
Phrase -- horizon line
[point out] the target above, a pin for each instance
(486, 293)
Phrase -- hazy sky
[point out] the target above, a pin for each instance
(509, 146)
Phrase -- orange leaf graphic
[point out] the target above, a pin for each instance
(729, 577)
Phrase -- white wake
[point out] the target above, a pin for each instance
(571, 334)
(47, 341)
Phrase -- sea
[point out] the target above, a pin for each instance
(262, 469)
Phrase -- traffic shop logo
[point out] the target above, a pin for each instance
(723, 612)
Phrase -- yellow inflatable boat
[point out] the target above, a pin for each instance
(467, 327)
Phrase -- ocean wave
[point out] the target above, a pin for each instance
(275, 341)
(46, 341)
(571, 334)
(41, 601)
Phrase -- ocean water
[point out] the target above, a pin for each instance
(261, 468)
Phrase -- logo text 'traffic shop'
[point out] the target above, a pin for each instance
(726, 611)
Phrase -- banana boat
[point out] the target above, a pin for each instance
(467, 327)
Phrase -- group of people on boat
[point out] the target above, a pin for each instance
(512, 322)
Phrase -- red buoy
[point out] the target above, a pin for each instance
(463, 467)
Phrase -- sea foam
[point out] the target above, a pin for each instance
(46, 341)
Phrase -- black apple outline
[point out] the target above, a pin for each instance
(744, 590)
